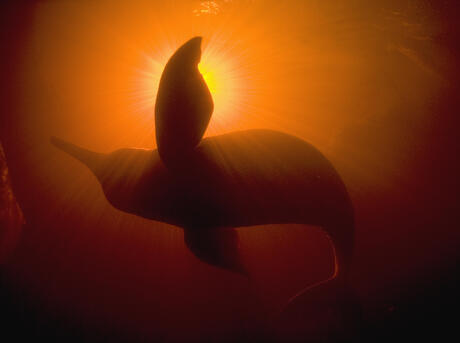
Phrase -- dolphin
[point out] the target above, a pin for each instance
(211, 186)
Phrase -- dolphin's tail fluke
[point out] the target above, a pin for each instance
(342, 240)
(329, 303)
(342, 237)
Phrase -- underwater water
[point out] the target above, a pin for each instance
(372, 85)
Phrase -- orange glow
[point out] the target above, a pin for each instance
(362, 81)
(311, 70)
(221, 71)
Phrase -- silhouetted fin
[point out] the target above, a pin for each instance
(217, 247)
(183, 105)
(90, 158)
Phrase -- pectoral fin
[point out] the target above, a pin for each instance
(217, 247)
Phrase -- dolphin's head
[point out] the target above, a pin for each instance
(183, 105)
(133, 180)
(182, 112)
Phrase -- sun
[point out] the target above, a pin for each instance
(220, 74)
(209, 76)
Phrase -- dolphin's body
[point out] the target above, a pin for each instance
(238, 179)
(233, 180)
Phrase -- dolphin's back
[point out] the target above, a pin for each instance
(259, 177)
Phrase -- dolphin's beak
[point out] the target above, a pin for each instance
(90, 158)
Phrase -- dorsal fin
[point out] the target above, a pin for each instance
(183, 105)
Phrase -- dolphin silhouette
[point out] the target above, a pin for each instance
(210, 186)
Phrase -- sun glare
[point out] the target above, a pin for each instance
(221, 72)
(224, 83)
(209, 76)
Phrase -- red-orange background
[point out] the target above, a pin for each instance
(371, 85)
